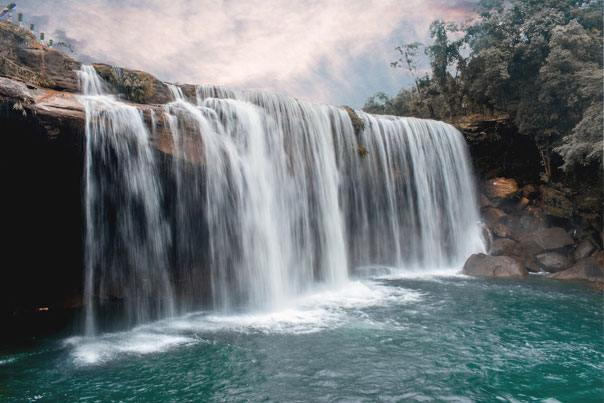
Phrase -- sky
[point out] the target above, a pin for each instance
(330, 51)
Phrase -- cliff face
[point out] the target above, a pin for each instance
(39, 84)
(23, 58)
(41, 126)
(553, 227)
(499, 150)
(42, 129)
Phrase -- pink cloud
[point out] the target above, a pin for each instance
(306, 48)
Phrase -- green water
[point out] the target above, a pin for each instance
(397, 339)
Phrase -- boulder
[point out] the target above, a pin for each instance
(532, 219)
(585, 248)
(501, 230)
(484, 201)
(531, 192)
(482, 265)
(487, 236)
(494, 215)
(531, 264)
(528, 261)
(501, 188)
(553, 262)
(524, 252)
(136, 86)
(548, 239)
(522, 203)
(503, 246)
(589, 269)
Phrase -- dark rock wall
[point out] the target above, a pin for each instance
(42, 219)
(570, 199)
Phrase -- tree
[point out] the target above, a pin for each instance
(537, 61)
(409, 55)
(378, 104)
(447, 65)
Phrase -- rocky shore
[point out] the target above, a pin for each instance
(536, 229)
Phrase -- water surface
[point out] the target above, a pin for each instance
(395, 338)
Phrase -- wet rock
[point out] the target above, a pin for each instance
(484, 201)
(503, 246)
(487, 236)
(531, 192)
(501, 188)
(494, 215)
(548, 239)
(553, 262)
(585, 248)
(190, 92)
(532, 219)
(482, 265)
(590, 269)
(534, 247)
(502, 230)
(357, 122)
(522, 203)
(524, 252)
(531, 265)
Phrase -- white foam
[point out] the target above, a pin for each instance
(309, 313)
(320, 310)
(427, 273)
(92, 350)
(8, 361)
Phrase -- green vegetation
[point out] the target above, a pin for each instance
(538, 62)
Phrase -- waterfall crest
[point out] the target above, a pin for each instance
(263, 197)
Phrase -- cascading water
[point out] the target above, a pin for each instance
(127, 237)
(267, 196)
(412, 202)
(275, 225)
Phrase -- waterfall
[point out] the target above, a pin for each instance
(264, 197)
(127, 237)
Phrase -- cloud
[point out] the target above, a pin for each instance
(70, 46)
(325, 51)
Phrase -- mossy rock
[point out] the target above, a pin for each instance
(363, 152)
(556, 202)
(137, 86)
(359, 126)
(357, 122)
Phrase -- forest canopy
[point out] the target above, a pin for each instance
(536, 62)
